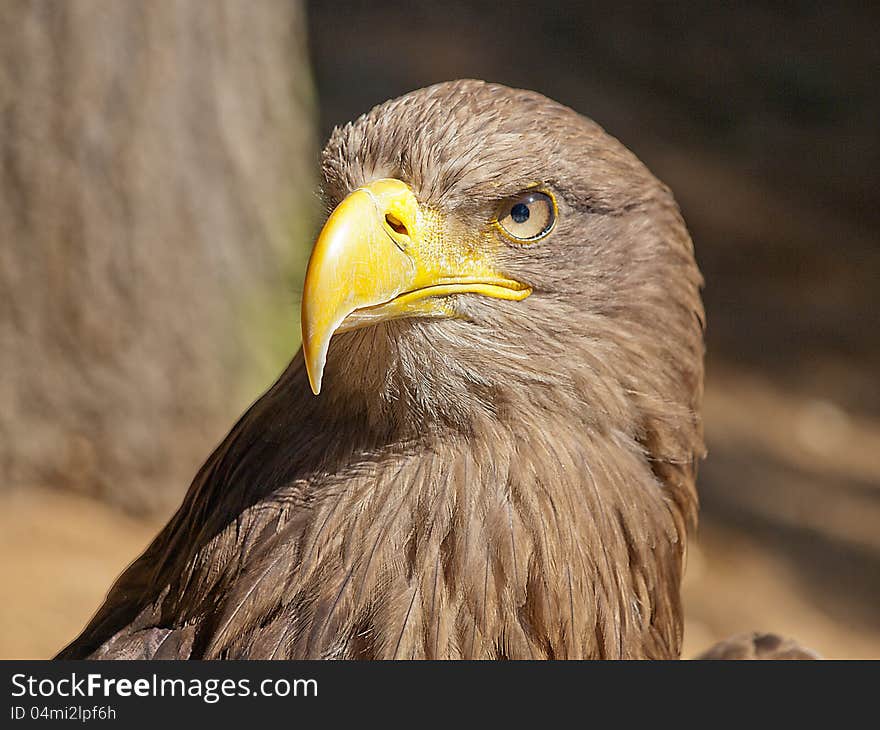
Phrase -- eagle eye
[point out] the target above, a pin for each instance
(528, 217)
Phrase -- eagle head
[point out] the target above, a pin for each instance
(492, 254)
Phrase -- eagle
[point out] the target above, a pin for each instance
(487, 446)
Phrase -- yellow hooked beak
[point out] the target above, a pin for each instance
(380, 256)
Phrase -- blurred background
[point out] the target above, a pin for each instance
(157, 204)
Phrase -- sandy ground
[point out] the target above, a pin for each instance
(59, 552)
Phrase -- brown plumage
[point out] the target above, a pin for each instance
(514, 480)
(758, 646)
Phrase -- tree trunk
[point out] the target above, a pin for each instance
(155, 203)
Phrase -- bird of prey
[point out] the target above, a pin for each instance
(487, 445)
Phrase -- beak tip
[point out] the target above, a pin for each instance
(313, 375)
(314, 369)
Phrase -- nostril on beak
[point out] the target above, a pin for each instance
(395, 224)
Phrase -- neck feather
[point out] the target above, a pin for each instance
(519, 539)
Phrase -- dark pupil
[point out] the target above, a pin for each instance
(520, 213)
